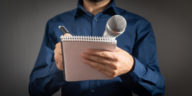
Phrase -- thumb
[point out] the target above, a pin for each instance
(67, 34)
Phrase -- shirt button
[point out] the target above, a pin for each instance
(92, 90)
(96, 19)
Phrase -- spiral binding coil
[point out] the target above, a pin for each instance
(89, 39)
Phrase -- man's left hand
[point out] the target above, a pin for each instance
(111, 63)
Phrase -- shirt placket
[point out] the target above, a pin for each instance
(94, 25)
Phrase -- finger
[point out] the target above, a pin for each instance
(57, 57)
(103, 69)
(95, 65)
(59, 62)
(67, 34)
(58, 45)
(101, 53)
(60, 66)
(108, 74)
(57, 49)
(100, 60)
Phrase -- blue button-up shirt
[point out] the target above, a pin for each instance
(138, 39)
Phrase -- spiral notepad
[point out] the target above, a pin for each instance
(73, 46)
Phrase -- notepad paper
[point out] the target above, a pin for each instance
(73, 47)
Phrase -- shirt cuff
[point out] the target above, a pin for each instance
(136, 72)
(139, 69)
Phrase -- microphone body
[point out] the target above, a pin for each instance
(115, 26)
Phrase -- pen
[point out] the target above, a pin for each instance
(63, 29)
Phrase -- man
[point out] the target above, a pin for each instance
(133, 66)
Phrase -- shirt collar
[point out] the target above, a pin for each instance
(111, 9)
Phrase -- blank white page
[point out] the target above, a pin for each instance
(73, 47)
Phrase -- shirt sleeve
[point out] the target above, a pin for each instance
(145, 78)
(45, 78)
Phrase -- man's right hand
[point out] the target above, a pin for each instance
(58, 54)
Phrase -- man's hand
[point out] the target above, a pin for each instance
(111, 63)
(58, 54)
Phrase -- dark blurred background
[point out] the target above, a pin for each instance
(22, 24)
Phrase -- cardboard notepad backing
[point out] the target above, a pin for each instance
(73, 47)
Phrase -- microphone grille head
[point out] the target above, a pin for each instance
(117, 23)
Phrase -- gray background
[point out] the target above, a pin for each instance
(22, 24)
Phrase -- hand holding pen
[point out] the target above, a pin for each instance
(58, 52)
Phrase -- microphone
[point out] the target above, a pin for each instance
(115, 26)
